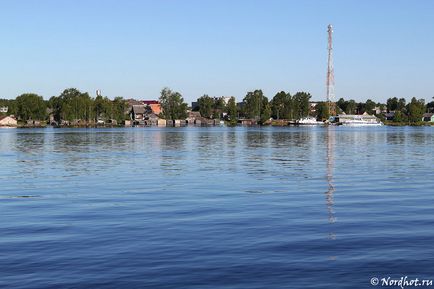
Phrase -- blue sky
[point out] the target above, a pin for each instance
(135, 48)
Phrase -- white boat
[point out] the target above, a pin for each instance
(310, 120)
(358, 120)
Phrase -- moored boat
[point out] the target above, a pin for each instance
(357, 120)
(309, 121)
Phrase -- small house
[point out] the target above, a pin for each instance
(7, 121)
(151, 119)
(428, 117)
(137, 112)
(192, 116)
(389, 115)
(153, 105)
(248, 122)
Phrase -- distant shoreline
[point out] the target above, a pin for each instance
(391, 124)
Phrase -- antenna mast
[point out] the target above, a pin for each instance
(330, 74)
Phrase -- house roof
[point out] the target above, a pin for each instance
(194, 114)
(5, 116)
(132, 102)
(150, 102)
(428, 114)
(153, 116)
(139, 109)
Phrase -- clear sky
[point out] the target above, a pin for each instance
(382, 48)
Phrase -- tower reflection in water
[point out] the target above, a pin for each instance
(330, 140)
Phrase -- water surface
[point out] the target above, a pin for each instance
(215, 207)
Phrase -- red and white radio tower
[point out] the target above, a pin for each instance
(330, 74)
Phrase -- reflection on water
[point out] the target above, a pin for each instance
(215, 207)
(330, 141)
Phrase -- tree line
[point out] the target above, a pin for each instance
(398, 109)
(256, 106)
(72, 105)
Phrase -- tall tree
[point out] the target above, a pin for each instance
(370, 106)
(31, 106)
(279, 105)
(253, 102)
(416, 109)
(351, 107)
(392, 104)
(206, 104)
(401, 104)
(119, 107)
(232, 111)
(71, 105)
(265, 110)
(361, 108)
(173, 105)
(219, 104)
(301, 101)
(342, 104)
(322, 111)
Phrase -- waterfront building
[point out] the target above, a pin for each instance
(389, 115)
(154, 105)
(428, 117)
(137, 113)
(8, 121)
(195, 105)
(357, 120)
(192, 116)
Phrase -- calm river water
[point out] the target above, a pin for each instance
(215, 207)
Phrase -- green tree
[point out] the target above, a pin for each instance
(119, 106)
(370, 106)
(416, 109)
(72, 105)
(398, 116)
(31, 106)
(253, 102)
(173, 105)
(322, 111)
(100, 107)
(279, 105)
(361, 108)
(401, 104)
(206, 104)
(342, 104)
(351, 107)
(302, 106)
(219, 104)
(265, 110)
(392, 104)
(232, 111)
(55, 103)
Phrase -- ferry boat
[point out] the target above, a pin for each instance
(310, 120)
(357, 120)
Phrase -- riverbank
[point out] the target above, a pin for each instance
(420, 123)
(276, 123)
